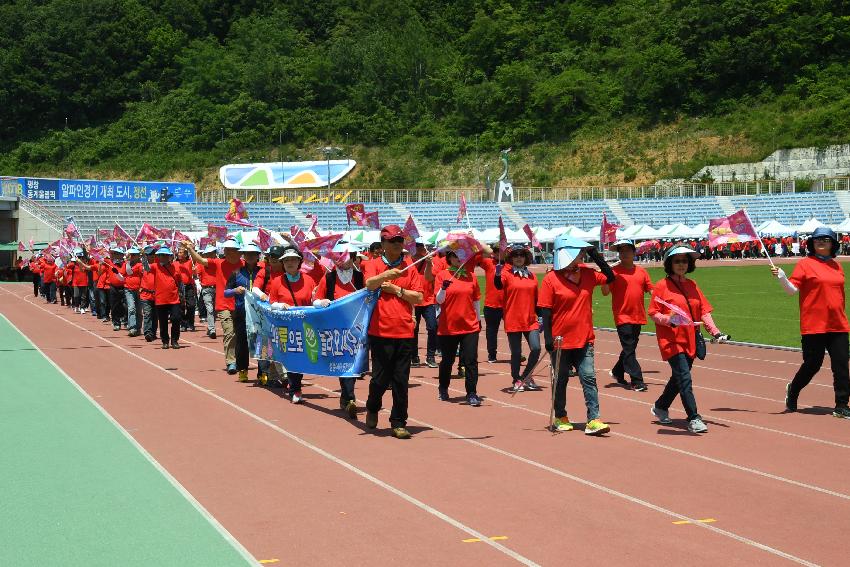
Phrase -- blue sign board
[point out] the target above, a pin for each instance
(41, 189)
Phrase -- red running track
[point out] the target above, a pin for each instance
(307, 486)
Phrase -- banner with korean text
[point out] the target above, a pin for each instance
(43, 189)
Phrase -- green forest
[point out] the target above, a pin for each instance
(417, 91)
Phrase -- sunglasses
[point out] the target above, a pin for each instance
(680, 261)
(396, 240)
(822, 239)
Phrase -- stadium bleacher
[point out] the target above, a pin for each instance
(791, 208)
(687, 210)
(551, 214)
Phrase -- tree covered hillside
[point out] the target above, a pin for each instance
(165, 86)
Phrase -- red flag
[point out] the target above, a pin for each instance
(217, 232)
(411, 233)
(531, 237)
(734, 228)
(355, 212)
(205, 241)
(179, 237)
(148, 232)
(503, 238)
(120, 235)
(461, 244)
(21, 246)
(32, 244)
(315, 221)
(321, 246)
(607, 231)
(237, 213)
(461, 211)
(264, 239)
(371, 220)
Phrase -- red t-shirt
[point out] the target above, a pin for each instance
(115, 279)
(36, 265)
(572, 312)
(223, 269)
(81, 276)
(520, 301)
(821, 286)
(133, 280)
(427, 287)
(103, 276)
(166, 280)
(393, 316)
(457, 312)
(340, 289)
(681, 339)
(261, 277)
(185, 270)
(316, 273)
(493, 297)
(302, 290)
(206, 274)
(48, 272)
(147, 283)
(627, 292)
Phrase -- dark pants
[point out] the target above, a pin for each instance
(629, 335)
(68, 293)
(680, 383)
(390, 369)
(116, 305)
(493, 318)
(103, 303)
(163, 314)
(50, 292)
(81, 296)
(515, 344)
(814, 346)
(149, 321)
(346, 389)
(582, 360)
(92, 293)
(189, 304)
(241, 338)
(36, 284)
(429, 312)
(468, 359)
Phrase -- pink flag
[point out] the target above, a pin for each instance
(685, 316)
(315, 221)
(179, 237)
(327, 263)
(355, 212)
(503, 238)
(237, 213)
(32, 244)
(321, 246)
(461, 211)
(205, 241)
(531, 237)
(734, 228)
(371, 220)
(264, 239)
(21, 247)
(119, 234)
(148, 232)
(607, 231)
(411, 233)
(217, 232)
(645, 246)
(461, 244)
(339, 258)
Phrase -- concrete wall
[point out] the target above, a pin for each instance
(798, 163)
(31, 227)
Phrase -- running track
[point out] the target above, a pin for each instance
(303, 485)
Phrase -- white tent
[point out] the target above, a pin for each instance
(844, 226)
(639, 232)
(774, 228)
(699, 231)
(809, 226)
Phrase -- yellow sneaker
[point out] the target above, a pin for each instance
(562, 424)
(263, 379)
(596, 427)
(243, 375)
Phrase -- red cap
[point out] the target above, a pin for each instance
(391, 231)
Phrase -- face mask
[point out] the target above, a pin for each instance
(293, 279)
(344, 276)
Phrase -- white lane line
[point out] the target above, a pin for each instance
(222, 531)
(318, 450)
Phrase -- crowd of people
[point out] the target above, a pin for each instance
(158, 293)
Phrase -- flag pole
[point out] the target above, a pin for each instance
(428, 255)
(764, 249)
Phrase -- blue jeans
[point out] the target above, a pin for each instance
(679, 383)
(50, 292)
(133, 305)
(149, 317)
(582, 360)
(515, 343)
(93, 300)
(429, 312)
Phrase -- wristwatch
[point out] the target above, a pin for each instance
(400, 291)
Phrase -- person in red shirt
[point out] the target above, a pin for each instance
(459, 297)
(819, 280)
(292, 289)
(238, 284)
(133, 272)
(102, 285)
(224, 306)
(426, 310)
(206, 302)
(190, 298)
(519, 288)
(630, 284)
(391, 328)
(565, 301)
(167, 291)
(676, 332)
(115, 279)
(35, 271)
(80, 266)
(272, 270)
(48, 277)
(147, 295)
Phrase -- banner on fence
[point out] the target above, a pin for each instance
(42, 189)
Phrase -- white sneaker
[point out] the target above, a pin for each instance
(83, 310)
(697, 426)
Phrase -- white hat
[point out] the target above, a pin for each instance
(231, 244)
(567, 249)
(250, 248)
(209, 249)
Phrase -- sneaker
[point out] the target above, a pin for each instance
(662, 414)
(562, 424)
(531, 385)
(415, 363)
(401, 433)
(438, 352)
(492, 360)
(262, 379)
(596, 427)
(243, 375)
(351, 409)
(371, 419)
(149, 338)
(639, 386)
(473, 400)
(116, 327)
(431, 363)
(83, 310)
(443, 394)
(697, 426)
(191, 329)
(133, 333)
(297, 397)
(461, 372)
(842, 412)
(522, 358)
(175, 344)
(231, 368)
(164, 346)
(790, 401)
(518, 386)
(212, 335)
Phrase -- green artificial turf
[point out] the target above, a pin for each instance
(748, 302)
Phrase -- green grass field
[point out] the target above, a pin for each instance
(749, 304)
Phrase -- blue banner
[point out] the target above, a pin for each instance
(41, 189)
(327, 341)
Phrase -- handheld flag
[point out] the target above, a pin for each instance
(21, 246)
(315, 221)
(354, 212)
(461, 211)
(503, 238)
(371, 220)
(645, 246)
(531, 237)
(734, 228)
(607, 231)
(237, 213)
(219, 233)
(461, 244)
(264, 239)
(411, 233)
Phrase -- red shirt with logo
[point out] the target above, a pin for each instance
(520, 301)
(822, 301)
(393, 316)
(570, 302)
(627, 292)
(457, 312)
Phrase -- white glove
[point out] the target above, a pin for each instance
(720, 338)
(780, 274)
(280, 306)
(321, 302)
(258, 293)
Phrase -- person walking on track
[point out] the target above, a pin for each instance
(238, 284)
(819, 280)
(167, 287)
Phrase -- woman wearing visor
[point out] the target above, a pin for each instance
(565, 301)
(519, 300)
(238, 284)
(676, 334)
(819, 280)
